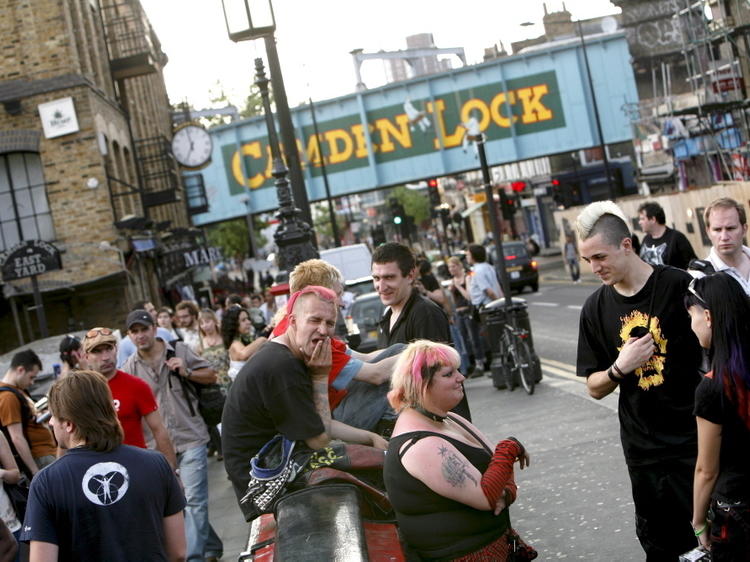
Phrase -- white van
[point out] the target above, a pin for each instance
(352, 261)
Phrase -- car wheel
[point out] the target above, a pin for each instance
(534, 286)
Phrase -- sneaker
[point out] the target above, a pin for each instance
(475, 372)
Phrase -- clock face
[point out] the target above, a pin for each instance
(191, 146)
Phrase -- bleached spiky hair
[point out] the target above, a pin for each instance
(603, 217)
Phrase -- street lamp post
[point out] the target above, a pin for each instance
(244, 23)
(294, 235)
(494, 219)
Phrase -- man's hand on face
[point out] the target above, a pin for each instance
(319, 363)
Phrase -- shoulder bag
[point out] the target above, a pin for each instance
(18, 494)
(210, 397)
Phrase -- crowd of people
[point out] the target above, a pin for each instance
(674, 344)
(153, 375)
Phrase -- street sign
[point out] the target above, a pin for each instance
(29, 258)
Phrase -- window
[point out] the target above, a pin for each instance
(24, 211)
(195, 192)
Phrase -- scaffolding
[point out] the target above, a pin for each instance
(702, 131)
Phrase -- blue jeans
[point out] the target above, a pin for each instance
(472, 338)
(201, 539)
(458, 343)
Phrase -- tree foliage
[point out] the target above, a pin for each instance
(231, 236)
(415, 203)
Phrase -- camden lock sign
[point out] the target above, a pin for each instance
(29, 258)
(411, 128)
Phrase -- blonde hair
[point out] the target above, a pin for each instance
(605, 218)
(314, 272)
(208, 314)
(415, 368)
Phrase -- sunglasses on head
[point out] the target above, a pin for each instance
(93, 332)
(691, 289)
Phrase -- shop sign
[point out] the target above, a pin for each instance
(202, 256)
(29, 258)
(58, 118)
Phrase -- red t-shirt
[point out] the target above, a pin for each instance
(133, 401)
(339, 358)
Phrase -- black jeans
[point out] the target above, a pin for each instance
(662, 493)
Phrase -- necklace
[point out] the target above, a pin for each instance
(428, 414)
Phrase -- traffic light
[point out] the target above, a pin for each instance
(507, 205)
(397, 211)
(518, 186)
(435, 200)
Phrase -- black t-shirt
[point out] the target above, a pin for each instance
(672, 248)
(712, 404)
(439, 528)
(429, 282)
(656, 402)
(104, 506)
(420, 319)
(272, 394)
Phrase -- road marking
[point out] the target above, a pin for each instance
(575, 306)
(537, 303)
(558, 364)
(565, 370)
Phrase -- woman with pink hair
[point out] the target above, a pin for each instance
(449, 490)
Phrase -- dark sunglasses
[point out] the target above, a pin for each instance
(93, 332)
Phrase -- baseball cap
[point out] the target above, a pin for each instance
(98, 336)
(139, 317)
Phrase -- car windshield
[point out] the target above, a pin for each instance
(367, 312)
(514, 251)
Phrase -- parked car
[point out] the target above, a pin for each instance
(360, 286)
(522, 270)
(366, 312)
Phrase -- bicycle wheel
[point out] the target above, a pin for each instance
(524, 364)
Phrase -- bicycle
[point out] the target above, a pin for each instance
(516, 356)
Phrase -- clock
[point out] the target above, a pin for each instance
(192, 145)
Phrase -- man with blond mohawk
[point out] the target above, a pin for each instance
(635, 334)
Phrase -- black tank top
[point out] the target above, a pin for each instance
(438, 528)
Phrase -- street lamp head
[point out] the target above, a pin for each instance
(248, 19)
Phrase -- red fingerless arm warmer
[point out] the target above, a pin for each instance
(499, 473)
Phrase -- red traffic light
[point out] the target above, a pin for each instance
(432, 183)
(555, 182)
(518, 186)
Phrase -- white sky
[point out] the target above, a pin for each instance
(314, 38)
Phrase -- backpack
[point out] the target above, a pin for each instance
(210, 397)
(25, 419)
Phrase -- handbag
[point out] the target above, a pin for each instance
(211, 398)
(272, 469)
(18, 494)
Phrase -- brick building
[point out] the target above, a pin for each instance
(85, 161)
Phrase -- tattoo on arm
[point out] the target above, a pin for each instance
(320, 400)
(454, 469)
